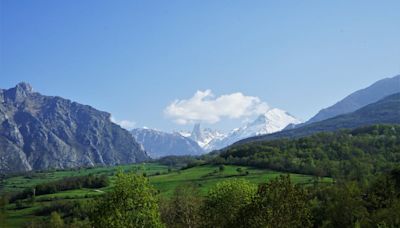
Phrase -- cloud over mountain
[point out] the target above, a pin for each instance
(204, 106)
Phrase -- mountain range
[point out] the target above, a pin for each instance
(199, 141)
(40, 132)
(43, 132)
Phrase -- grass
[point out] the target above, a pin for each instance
(204, 177)
(207, 176)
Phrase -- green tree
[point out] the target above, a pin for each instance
(131, 203)
(183, 209)
(278, 203)
(55, 220)
(345, 206)
(3, 212)
(225, 200)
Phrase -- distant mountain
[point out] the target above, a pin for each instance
(206, 137)
(385, 111)
(159, 144)
(360, 98)
(43, 132)
(273, 120)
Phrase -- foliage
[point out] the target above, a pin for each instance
(67, 183)
(225, 200)
(278, 203)
(3, 212)
(131, 203)
(56, 221)
(69, 209)
(183, 209)
(349, 203)
(177, 161)
(348, 154)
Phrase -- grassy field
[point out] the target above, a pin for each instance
(163, 179)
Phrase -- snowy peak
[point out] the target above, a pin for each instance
(197, 134)
(204, 137)
(272, 121)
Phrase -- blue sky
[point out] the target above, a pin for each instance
(134, 58)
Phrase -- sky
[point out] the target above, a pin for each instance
(169, 64)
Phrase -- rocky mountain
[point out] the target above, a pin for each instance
(385, 111)
(43, 132)
(159, 144)
(360, 98)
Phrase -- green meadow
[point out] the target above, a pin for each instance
(164, 179)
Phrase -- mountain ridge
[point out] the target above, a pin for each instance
(360, 98)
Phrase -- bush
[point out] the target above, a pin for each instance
(225, 200)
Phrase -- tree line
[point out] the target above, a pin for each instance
(64, 184)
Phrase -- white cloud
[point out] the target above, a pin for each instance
(127, 124)
(205, 107)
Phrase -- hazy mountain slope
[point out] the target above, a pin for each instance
(42, 132)
(360, 98)
(385, 111)
(160, 144)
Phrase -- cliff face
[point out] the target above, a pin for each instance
(42, 132)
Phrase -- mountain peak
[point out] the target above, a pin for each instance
(24, 86)
(269, 122)
(19, 92)
(275, 118)
(197, 133)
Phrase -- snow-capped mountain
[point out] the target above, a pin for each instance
(272, 121)
(160, 144)
(205, 137)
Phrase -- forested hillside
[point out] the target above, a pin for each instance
(354, 154)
